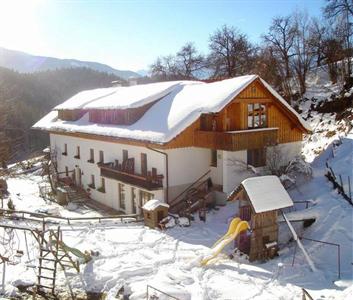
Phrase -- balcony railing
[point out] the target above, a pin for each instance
(236, 140)
(150, 181)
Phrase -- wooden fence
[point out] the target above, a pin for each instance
(338, 183)
(33, 216)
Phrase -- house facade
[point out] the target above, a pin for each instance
(127, 145)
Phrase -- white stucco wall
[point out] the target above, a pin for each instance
(186, 165)
(233, 172)
(111, 151)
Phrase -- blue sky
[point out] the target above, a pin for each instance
(131, 34)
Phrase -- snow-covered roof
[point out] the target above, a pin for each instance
(153, 204)
(119, 97)
(181, 103)
(266, 193)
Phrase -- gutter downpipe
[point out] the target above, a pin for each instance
(166, 169)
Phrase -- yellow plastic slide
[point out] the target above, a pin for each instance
(236, 226)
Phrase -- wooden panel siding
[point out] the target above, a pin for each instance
(126, 116)
(236, 141)
(288, 132)
(255, 91)
(70, 115)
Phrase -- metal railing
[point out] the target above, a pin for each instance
(179, 197)
(326, 243)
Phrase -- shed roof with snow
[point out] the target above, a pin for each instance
(266, 193)
(153, 204)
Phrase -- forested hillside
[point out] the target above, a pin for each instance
(25, 98)
(27, 63)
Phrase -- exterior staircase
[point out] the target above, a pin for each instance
(75, 194)
(192, 198)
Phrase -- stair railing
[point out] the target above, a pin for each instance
(181, 195)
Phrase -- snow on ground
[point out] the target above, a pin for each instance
(132, 255)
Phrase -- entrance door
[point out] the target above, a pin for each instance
(78, 176)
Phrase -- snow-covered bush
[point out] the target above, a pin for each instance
(276, 164)
(298, 166)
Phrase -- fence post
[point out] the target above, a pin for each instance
(339, 261)
(341, 184)
(333, 173)
(349, 187)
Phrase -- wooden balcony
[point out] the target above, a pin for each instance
(236, 140)
(151, 181)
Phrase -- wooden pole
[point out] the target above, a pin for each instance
(349, 187)
(3, 277)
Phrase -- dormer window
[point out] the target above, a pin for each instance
(257, 115)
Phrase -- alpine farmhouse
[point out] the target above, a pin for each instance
(174, 141)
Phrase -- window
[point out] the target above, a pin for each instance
(125, 155)
(257, 115)
(66, 171)
(213, 158)
(256, 157)
(102, 187)
(101, 157)
(122, 202)
(144, 164)
(77, 152)
(65, 150)
(91, 156)
(133, 199)
(145, 197)
(92, 185)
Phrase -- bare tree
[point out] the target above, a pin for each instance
(267, 66)
(318, 32)
(303, 52)
(184, 65)
(280, 38)
(230, 52)
(340, 12)
(189, 61)
(333, 53)
(164, 69)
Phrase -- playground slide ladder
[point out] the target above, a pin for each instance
(52, 254)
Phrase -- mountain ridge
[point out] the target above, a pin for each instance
(27, 63)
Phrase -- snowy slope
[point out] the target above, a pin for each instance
(326, 128)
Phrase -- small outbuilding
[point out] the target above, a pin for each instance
(154, 211)
(260, 199)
